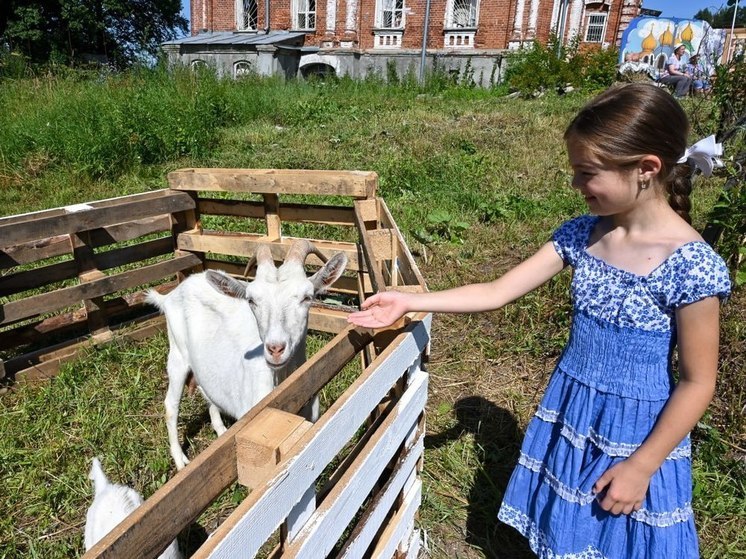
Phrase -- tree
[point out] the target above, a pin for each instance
(723, 17)
(72, 31)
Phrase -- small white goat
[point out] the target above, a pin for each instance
(240, 340)
(112, 503)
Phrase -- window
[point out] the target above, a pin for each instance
(242, 68)
(596, 27)
(305, 14)
(246, 15)
(390, 14)
(461, 13)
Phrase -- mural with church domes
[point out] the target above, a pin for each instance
(650, 41)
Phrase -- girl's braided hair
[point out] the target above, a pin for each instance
(629, 121)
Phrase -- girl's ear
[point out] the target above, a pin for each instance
(649, 167)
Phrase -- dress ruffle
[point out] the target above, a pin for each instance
(577, 434)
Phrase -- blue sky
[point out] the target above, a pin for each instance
(670, 8)
(684, 9)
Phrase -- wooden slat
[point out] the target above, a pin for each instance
(369, 524)
(288, 212)
(400, 526)
(27, 253)
(357, 184)
(407, 267)
(245, 244)
(151, 528)
(374, 271)
(265, 508)
(330, 520)
(67, 296)
(35, 278)
(119, 310)
(127, 209)
(271, 216)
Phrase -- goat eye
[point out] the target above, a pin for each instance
(307, 299)
(251, 301)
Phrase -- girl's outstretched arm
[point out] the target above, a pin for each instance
(622, 488)
(385, 308)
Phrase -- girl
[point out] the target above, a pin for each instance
(605, 467)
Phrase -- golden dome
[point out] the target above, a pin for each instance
(649, 43)
(687, 34)
(666, 37)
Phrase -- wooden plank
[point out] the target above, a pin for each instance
(265, 442)
(245, 244)
(407, 267)
(27, 253)
(127, 209)
(38, 277)
(288, 212)
(328, 523)
(256, 518)
(375, 514)
(68, 296)
(88, 272)
(357, 184)
(271, 217)
(373, 270)
(400, 527)
(151, 528)
(381, 243)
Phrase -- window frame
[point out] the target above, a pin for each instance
(402, 12)
(306, 12)
(243, 15)
(450, 22)
(600, 28)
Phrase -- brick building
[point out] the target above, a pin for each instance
(356, 37)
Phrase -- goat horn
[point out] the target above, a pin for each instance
(249, 265)
(300, 249)
(263, 255)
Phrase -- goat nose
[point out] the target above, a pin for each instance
(276, 349)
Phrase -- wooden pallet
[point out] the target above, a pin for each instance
(76, 276)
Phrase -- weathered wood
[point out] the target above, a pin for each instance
(376, 278)
(288, 212)
(88, 272)
(265, 442)
(329, 521)
(409, 271)
(375, 514)
(15, 232)
(357, 184)
(400, 526)
(67, 296)
(271, 217)
(245, 244)
(248, 527)
(34, 251)
(183, 498)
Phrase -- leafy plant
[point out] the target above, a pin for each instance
(441, 226)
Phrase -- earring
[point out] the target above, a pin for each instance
(644, 184)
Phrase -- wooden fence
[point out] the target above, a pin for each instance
(76, 276)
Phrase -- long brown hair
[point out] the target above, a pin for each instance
(627, 122)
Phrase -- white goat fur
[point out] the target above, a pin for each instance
(239, 339)
(112, 503)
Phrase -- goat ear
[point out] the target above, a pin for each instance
(226, 284)
(329, 273)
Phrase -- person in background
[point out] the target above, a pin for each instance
(605, 467)
(700, 80)
(674, 73)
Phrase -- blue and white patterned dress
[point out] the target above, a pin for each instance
(607, 391)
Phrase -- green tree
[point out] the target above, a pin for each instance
(70, 31)
(723, 17)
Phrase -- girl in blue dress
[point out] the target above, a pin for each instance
(605, 467)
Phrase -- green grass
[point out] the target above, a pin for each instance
(475, 157)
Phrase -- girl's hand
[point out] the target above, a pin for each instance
(622, 488)
(380, 310)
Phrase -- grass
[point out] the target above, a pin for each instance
(444, 156)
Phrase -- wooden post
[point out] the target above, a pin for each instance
(95, 307)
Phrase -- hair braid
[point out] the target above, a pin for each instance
(679, 187)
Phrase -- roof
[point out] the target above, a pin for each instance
(237, 38)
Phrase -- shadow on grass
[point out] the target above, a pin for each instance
(497, 440)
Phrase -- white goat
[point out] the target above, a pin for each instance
(240, 339)
(112, 503)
